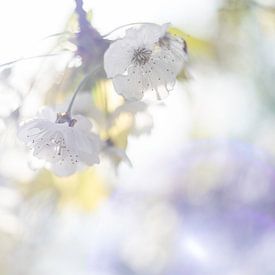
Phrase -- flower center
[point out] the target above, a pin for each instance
(141, 56)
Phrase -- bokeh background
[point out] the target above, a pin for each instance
(199, 197)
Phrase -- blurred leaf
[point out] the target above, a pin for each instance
(105, 98)
(195, 46)
(107, 101)
(42, 182)
(72, 23)
(85, 189)
(120, 131)
(184, 75)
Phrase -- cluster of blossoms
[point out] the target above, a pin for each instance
(146, 60)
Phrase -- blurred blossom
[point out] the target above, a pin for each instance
(10, 96)
(224, 192)
(9, 222)
(230, 169)
(11, 150)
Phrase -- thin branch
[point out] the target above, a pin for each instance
(29, 58)
(79, 88)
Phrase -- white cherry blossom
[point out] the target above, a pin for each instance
(65, 144)
(145, 59)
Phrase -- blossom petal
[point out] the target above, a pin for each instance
(82, 123)
(147, 34)
(118, 57)
(131, 85)
(30, 130)
(85, 145)
(63, 169)
(88, 148)
(47, 113)
(161, 71)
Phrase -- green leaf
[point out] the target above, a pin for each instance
(196, 46)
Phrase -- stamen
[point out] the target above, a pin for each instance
(141, 56)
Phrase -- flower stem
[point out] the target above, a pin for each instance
(128, 25)
(81, 84)
(124, 26)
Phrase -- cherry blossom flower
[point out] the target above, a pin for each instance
(146, 59)
(65, 144)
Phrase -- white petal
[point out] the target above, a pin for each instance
(65, 168)
(147, 34)
(88, 148)
(118, 57)
(161, 71)
(30, 130)
(25, 129)
(82, 123)
(130, 86)
(44, 148)
(47, 113)
(84, 144)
